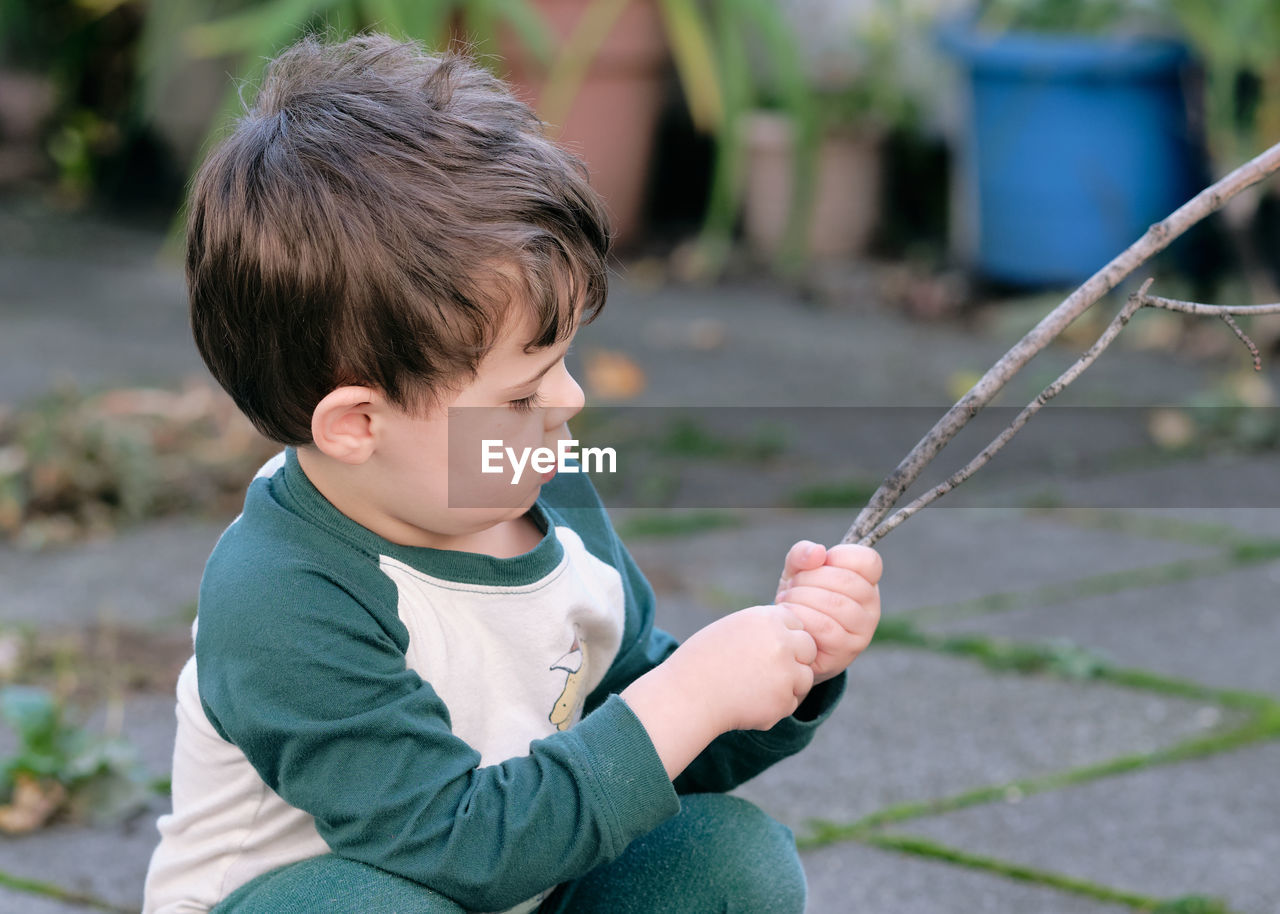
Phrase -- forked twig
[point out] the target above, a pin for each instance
(870, 525)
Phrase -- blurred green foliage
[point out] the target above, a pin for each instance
(712, 44)
(1087, 17)
(96, 136)
(1235, 43)
(101, 778)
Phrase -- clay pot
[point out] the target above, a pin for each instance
(613, 121)
(26, 102)
(846, 195)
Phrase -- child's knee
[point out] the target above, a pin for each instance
(753, 860)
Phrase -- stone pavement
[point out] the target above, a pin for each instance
(1073, 704)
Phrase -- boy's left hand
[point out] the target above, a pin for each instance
(836, 594)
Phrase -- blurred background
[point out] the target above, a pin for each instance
(953, 161)
(1020, 142)
(835, 203)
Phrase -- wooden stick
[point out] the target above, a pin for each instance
(1154, 240)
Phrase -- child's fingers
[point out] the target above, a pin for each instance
(862, 560)
(806, 648)
(802, 556)
(854, 616)
(833, 578)
(820, 625)
(836, 647)
(804, 682)
(787, 613)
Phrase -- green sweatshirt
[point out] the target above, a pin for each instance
(446, 716)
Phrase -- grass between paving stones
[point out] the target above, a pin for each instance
(57, 892)
(1065, 660)
(1265, 726)
(1262, 724)
(1239, 554)
(922, 847)
(849, 493)
(658, 523)
(1151, 526)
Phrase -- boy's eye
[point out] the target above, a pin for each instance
(526, 404)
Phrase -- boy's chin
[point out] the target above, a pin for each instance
(509, 505)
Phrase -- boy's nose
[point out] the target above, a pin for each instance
(565, 398)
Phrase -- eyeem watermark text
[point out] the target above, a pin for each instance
(545, 459)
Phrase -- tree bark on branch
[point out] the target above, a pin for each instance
(870, 525)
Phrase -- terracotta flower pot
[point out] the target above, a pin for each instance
(26, 101)
(846, 194)
(613, 120)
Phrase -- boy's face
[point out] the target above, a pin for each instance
(428, 478)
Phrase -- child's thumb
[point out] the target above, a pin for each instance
(803, 556)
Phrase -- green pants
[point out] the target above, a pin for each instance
(719, 855)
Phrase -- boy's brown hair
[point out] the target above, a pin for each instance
(370, 221)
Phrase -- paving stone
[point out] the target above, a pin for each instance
(777, 351)
(148, 723)
(949, 556)
(108, 862)
(776, 455)
(915, 726)
(813, 357)
(13, 901)
(960, 554)
(849, 877)
(721, 569)
(142, 576)
(1201, 827)
(91, 323)
(1222, 630)
(1259, 522)
(1218, 482)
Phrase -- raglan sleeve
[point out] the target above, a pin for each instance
(312, 685)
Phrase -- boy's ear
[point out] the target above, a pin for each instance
(341, 424)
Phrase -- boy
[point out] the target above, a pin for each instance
(405, 695)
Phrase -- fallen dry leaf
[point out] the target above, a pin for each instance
(707, 333)
(610, 375)
(32, 805)
(1172, 429)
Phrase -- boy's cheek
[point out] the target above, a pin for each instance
(493, 457)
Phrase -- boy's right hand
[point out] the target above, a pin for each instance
(751, 668)
(745, 671)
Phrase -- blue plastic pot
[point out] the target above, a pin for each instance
(1075, 146)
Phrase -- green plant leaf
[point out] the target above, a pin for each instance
(421, 20)
(480, 25)
(387, 16)
(530, 27)
(575, 57)
(105, 778)
(32, 712)
(695, 63)
(259, 30)
(108, 797)
(724, 200)
(797, 102)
